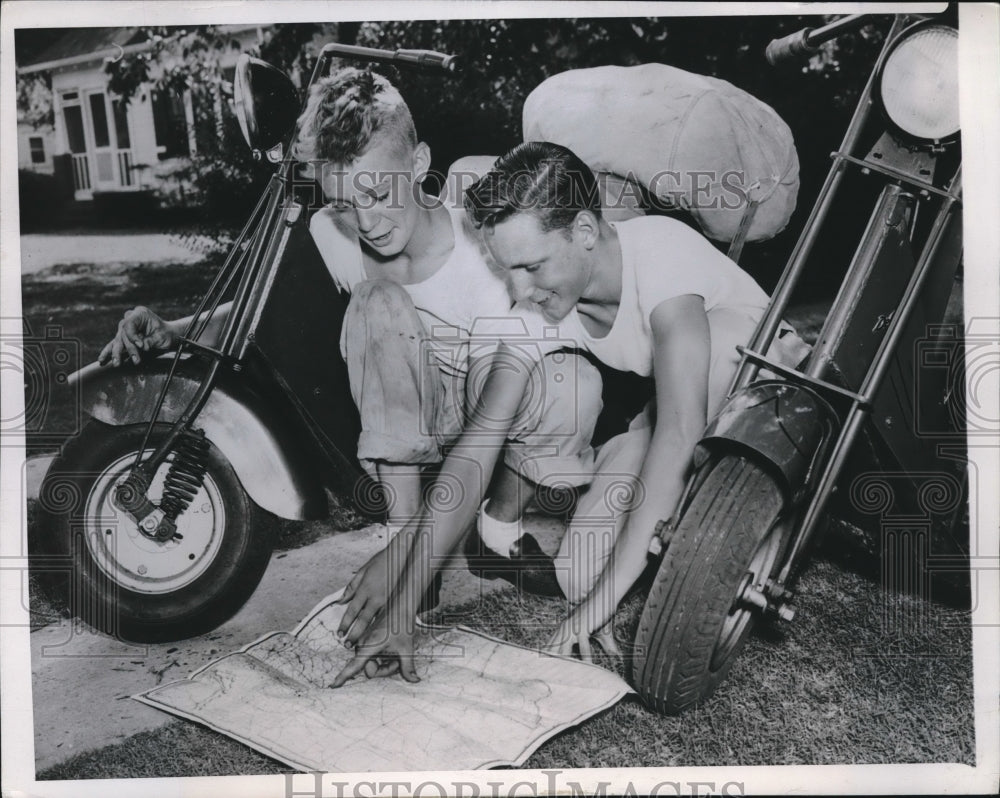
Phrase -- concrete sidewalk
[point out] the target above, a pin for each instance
(82, 680)
(41, 251)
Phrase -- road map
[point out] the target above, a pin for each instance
(481, 702)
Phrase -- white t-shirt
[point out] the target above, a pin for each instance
(662, 258)
(462, 299)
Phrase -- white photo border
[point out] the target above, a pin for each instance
(980, 110)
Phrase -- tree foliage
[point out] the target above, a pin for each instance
(220, 179)
(477, 109)
(34, 100)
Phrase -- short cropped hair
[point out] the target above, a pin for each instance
(545, 179)
(346, 112)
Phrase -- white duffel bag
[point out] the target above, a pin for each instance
(692, 141)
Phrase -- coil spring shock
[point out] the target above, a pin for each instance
(186, 473)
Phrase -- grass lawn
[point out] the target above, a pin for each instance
(861, 676)
(83, 303)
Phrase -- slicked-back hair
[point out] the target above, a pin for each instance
(538, 177)
(346, 112)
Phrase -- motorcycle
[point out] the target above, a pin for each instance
(164, 507)
(873, 418)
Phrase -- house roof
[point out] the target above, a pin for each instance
(83, 44)
(80, 45)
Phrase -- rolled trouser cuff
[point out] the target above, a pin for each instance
(550, 471)
(374, 447)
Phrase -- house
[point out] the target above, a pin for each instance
(97, 143)
(34, 147)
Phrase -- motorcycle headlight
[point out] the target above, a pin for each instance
(241, 100)
(266, 103)
(918, 86)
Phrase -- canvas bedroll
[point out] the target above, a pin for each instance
(694, 142)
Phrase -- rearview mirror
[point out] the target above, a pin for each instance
(267, 104)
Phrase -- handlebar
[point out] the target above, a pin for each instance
(808, 40)
(422, 58)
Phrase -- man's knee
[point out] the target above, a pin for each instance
(562, 399)
(582, 558)
(380, 298)
(379, 310)
(381, 321)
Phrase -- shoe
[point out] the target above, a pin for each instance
(528, 568)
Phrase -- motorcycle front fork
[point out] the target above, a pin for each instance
(181, 484)
(764, 595)
(187, 470)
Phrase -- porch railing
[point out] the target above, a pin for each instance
(81, 172)
(125, 170)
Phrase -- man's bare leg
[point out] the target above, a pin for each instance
(403, 489)
(550, 441)
(499, 549)
(510, 494)
(403, 484)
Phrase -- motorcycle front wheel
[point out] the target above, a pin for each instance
(127, 584)
(696, 619)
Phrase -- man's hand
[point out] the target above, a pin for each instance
(574, 633)
(382, 653)
(366, 595)
(140, 330)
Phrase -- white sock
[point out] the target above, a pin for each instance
(498, 535)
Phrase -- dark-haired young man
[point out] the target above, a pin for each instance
(648, 295)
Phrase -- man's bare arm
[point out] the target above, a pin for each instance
(681, 355)
(429, 540)
(141, 331)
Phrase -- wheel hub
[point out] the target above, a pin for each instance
(130, 496)
(752, 596)
(138, 554)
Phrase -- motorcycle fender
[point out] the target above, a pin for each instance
(253, 435)
(787, 425)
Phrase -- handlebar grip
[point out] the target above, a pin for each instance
(790, 46)
(429, 58)
(422, 58)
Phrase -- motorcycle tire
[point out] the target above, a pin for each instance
(693, 624)
(126, 584)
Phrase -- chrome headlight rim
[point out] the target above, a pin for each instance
(243, 99)
(901, 133)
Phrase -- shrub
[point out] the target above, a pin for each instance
(41, 198)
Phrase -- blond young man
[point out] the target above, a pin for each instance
(426, 312)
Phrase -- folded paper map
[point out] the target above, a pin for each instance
(480, 702)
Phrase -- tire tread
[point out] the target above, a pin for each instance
(734, 507)
(98, 600)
